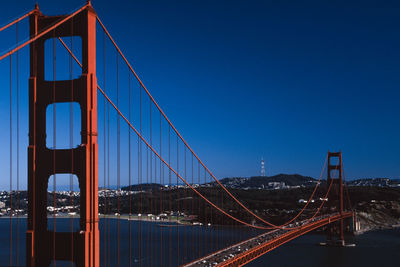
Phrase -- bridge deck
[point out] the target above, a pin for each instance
(246, 251)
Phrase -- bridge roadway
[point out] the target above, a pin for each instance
(248, 250)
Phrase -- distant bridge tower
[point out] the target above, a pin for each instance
(43, 245)
(262, 167)
(335, 196)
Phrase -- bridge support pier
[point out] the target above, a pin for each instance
(43, 245)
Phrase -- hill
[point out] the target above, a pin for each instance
(280, 181)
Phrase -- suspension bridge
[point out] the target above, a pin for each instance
(138, 194)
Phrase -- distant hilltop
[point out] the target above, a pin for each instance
(280, 181)
(287, 181)
(276, 182)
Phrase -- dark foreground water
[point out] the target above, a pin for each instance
(379, 248)
(151, 243)
(151, 246)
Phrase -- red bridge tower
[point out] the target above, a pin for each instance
(335, 196)
(44, 246)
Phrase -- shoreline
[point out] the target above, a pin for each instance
(115, 217)
(179, 223)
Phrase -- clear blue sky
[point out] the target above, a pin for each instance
(246, 79)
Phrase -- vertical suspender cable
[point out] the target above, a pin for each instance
(105, 157)
(203, 207)
(185, 208)
(108, 188)
(11, 165)
(118, 173)
(156, 194)
(205, 214)
(147, 203)
(18, 206)
(209, 221)
(151, 186)
(170, 195)
(193, 239)
(138, 202)
(54, 150)
(130, 174)
(194, 210)
(161, 194)
(212, 221)
(199, 211)
(140, 177)
(138, 206)
(71, 142)
(177, 202)
(146, 207)
(156, 191)
(221, 236)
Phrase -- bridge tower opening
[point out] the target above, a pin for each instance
(44, 246)
(335, 197)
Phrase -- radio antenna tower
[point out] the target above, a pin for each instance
(262, 167)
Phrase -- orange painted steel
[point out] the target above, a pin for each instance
(83, 248)
(257, 251)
